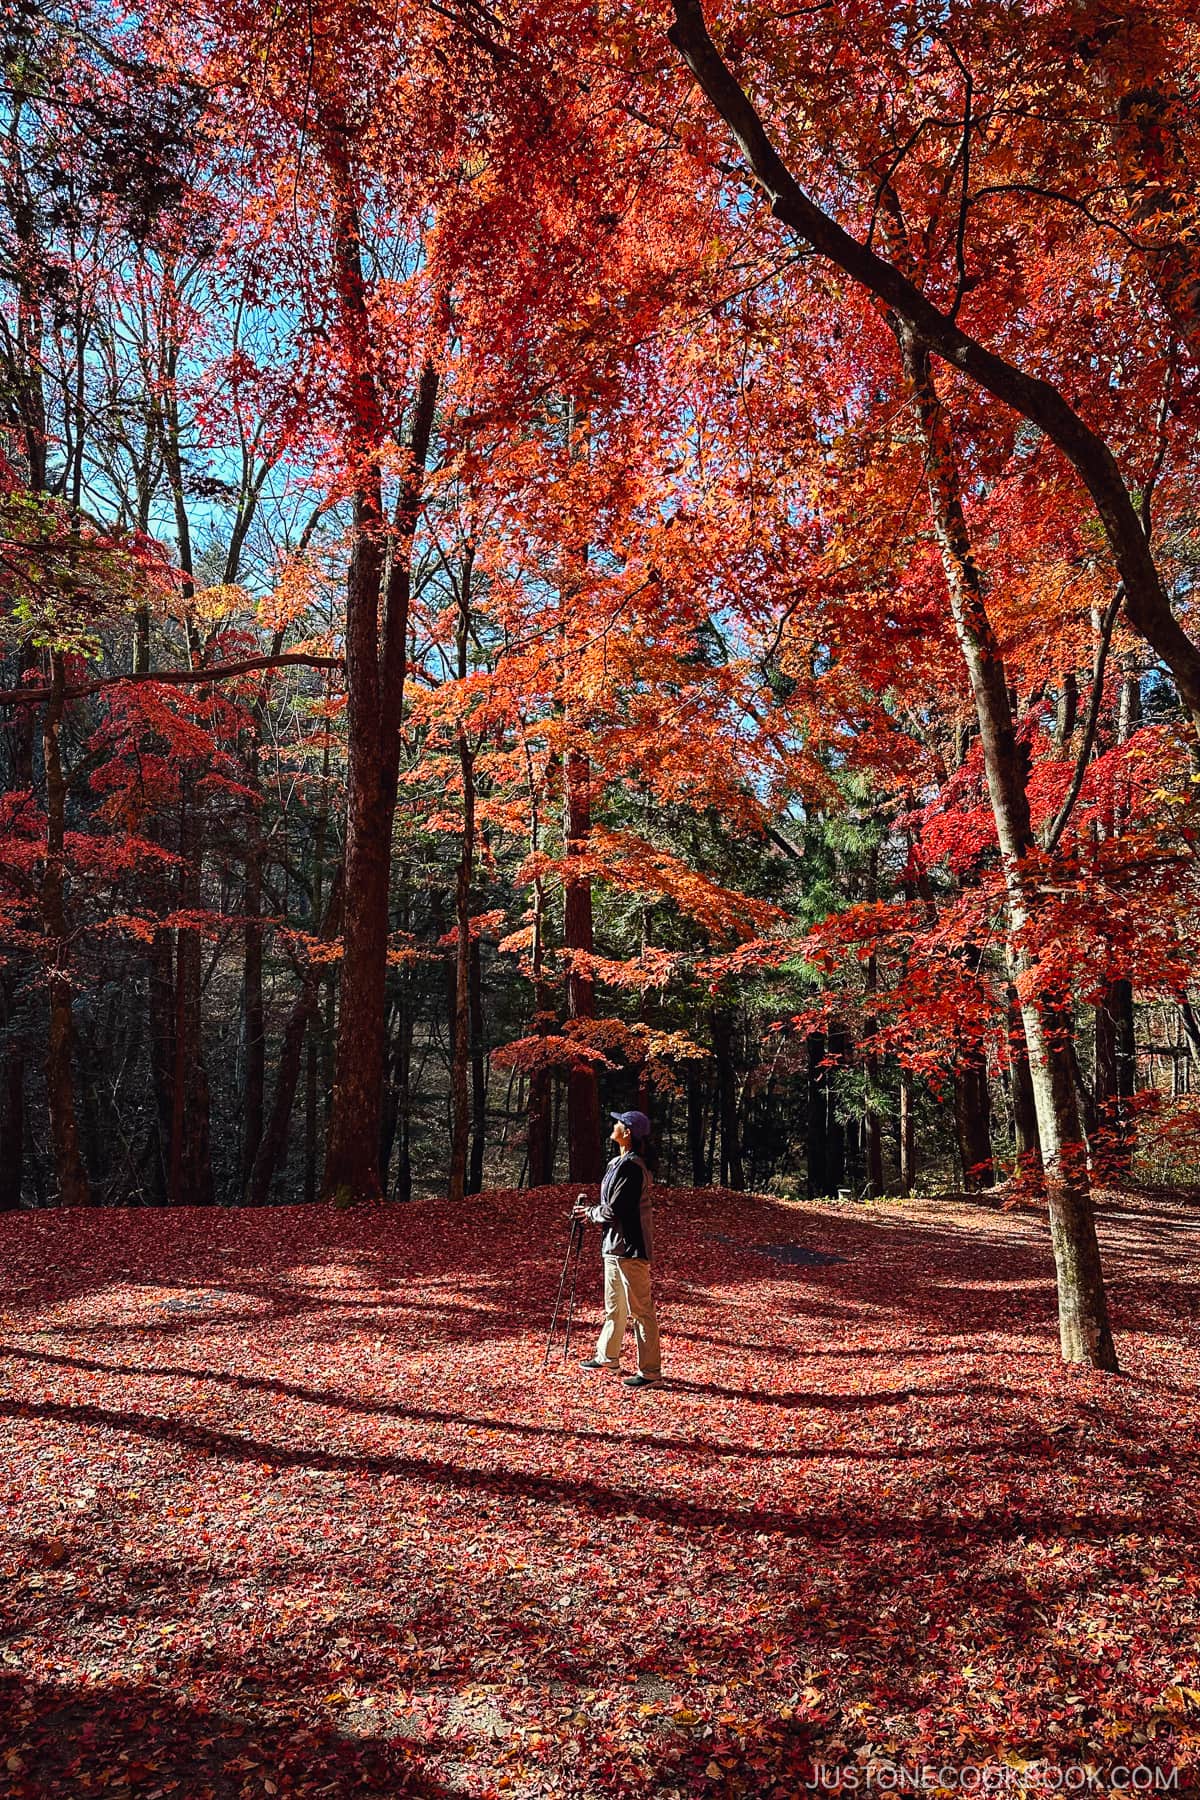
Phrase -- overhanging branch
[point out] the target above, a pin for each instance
(31, 696)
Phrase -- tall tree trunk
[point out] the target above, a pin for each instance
(272, 1144)
(1025, 1126)
(190, 1178)
(478, 1069)
(583, 1094)
(972, 1118)
(253, 1012)
(1084, 1332)
(160, 1010)
(906, 1148)
(460, 1055)
(12, 1129)
(1115, 1066)
(312, 1057)
(73, 1187)
(695, 1124)
(838, 1050)
(541, 1080)
(818, 1117)
(732, 1173)
(375, 702)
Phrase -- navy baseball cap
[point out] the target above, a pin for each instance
(637, 1122)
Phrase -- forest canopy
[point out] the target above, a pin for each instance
(561, 558)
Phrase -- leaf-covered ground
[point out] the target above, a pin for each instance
(290, 1507)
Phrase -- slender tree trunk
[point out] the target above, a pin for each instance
(311, 1130)
(972, 1116)
(1115, 1067)
(906, 1149)
(461, 1036)
(838, 1049)
(1084, 1332)
(583, 1095)
(818, 1117)
(1025, 1127)
(733, 1174)
(271, 1149)
(160, 1008)
(478, 1069)
(541, 1080)
(695, 1124)
(12, 1129)
(190, 1182)
(73, 1187)
(253, 1012)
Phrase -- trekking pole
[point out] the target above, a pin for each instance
(574, 1280)
(574, 1247)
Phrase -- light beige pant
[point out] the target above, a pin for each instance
(627, 1295)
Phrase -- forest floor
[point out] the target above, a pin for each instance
(290, 1508)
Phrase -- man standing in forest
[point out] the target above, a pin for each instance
(627, 1248)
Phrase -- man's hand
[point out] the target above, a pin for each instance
(580, 1210)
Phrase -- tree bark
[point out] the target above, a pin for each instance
(695, 1125)
(732, 1172)
(1025, 1127)
(818, 1117)
(190, 1172)
(972, 1117)
(460, 1053)
(1084, 1332)
(73, 1185)
(583, 1094)
(478, 1070)
(272, 1145)
(12, 1130)
(253, 1014)
(906, 1154)
(375, 699)
(539, 1134)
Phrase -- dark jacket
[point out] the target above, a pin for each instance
(625, 1210)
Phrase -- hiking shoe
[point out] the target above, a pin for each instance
(641, 1381)
(597, 1362)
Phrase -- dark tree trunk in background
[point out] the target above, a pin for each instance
(695, 1124)
(732, 1173)
(190, 1173)
(271, 1151)
(818, 1117)
(20, 733)
(584, 1160)
(1025, 1127)
(541, 1081)
(73, 1186)
(838, 1048)
(478, 1069)
(973, 1119)
(1116, 1067)
(12, 1129)
(160, 1008)
(460, 1037)
(253, 1015)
